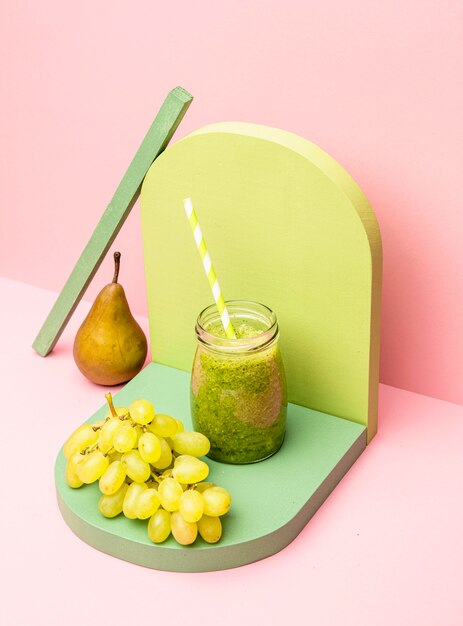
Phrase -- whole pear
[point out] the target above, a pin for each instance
(110, 347)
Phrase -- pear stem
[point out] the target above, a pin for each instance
(117, 263)
(109, 400)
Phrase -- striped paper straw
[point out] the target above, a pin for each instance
(209, 269)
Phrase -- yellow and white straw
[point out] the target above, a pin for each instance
(209, 269)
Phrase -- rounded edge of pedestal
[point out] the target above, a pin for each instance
(188, 559)
(215, 556)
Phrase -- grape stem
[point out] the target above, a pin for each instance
(158, 476)
(89, 449)
(109, 400)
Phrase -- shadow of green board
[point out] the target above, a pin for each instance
(286, 226)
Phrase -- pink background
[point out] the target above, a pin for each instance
(378, 85)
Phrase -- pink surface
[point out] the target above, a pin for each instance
(385, 548)
(376, 84)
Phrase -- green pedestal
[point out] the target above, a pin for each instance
(272, 500)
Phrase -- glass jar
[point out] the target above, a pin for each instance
(238, 386)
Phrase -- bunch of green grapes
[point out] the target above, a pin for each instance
(148, 468)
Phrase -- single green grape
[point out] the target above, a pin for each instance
(163, 425)
(137, 469)
(72, 478)
(180, 426)
(210, 528)
(74, 460)
(170, 493)
(148, 503)
(217, 501)
(192, 443)
(110, 506)
(166, 455)
(83, 437)
(106, 434)
(149, 447)
(92, 467)
(113, 478)
(188, 469)
(191, 505)
(141, 411)
(184, 532)
(129, 506)
(159, 526)
(125, 437)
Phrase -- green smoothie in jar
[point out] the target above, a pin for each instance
(238, 386)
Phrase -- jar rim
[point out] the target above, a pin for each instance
(244, 309)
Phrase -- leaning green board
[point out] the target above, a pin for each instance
(158, 136)
(286, 226)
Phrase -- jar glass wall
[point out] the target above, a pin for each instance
(238, 386)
